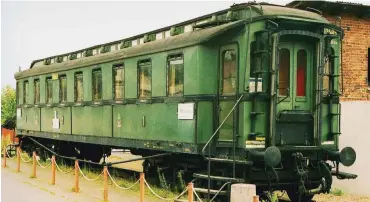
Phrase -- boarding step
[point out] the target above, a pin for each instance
(211, 191)
(343, 175)
(218, 178)
(221, 160)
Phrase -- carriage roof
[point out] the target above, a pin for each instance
(192, 32)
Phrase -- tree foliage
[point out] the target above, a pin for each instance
(8, 104)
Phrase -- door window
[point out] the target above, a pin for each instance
(229, 72)
(284, 72)
(301, 72)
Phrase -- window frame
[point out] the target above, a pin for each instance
(75, 86)
(221, 71)
(114, 68)
(25, 92)
(98, 69)
(283, 92)
(60, 89)
(34, 91)
(138, 78)
(47, 90)
(174, 57)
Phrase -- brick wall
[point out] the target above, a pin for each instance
(355, 57)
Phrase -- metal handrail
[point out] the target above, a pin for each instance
(219, 127)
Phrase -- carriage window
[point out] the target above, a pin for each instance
(118, 84)
(229, 72)
(145, 79)
(97, 85)
(63, 89)
(79, 88)
(284, 72)
(36, 91)
(25, 92)
(49, 90)
(301, 72)
(175, 76)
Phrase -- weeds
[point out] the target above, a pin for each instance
(336, 192)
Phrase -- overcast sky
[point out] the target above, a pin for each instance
(34, 30)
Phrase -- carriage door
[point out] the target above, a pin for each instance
(227, 92)
(295, 77)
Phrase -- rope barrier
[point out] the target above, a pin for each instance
(162, 198)
(42, 166)
(219, 191)
(123, 188)
(26, 161)
(9, 154)
(64, 172)
(88, 179)
(195, 193)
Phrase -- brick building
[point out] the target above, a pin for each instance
(355, 20)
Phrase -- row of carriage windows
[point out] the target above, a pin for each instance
(175, 83)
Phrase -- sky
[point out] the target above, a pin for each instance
(32, 30)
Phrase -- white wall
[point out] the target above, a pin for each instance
(356, 133)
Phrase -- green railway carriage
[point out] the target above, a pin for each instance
(252, 90)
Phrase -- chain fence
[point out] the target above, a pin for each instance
(26, 161)
(52, 160)
(88, 179)
(123, 188)
(42, 166)
(162, 198)
(198, 198)
(64, 172)
(7, 153)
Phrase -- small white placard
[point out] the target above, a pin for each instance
(252, 84)
(185, 111)
(19, 113)
(56, 123)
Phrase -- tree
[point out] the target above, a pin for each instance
(8, 106)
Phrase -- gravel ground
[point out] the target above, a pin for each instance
(343, 198)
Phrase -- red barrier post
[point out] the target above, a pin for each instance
(18, 159)
(142, 187)
(105, 172)
(190, 192)
(77, 186)
(33, 165)
(53, 170)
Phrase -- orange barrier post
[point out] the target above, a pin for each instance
(18, 159)
(256, 199)
(190, 192)
(33, 165)
(142, 187)
(105, 172)
(53, 170)
(77, 186)
(4, 162)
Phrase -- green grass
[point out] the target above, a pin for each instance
(336, 192)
